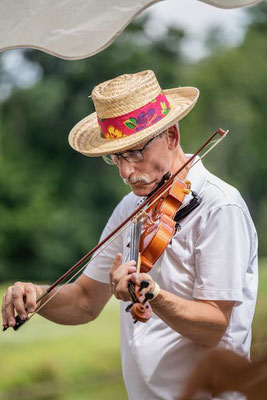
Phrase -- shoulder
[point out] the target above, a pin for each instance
(222, 205)
(120, 213)
(216, 193)
(127, 204)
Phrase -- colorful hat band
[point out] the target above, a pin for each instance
(135, 121)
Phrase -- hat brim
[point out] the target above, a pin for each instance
(85, 135)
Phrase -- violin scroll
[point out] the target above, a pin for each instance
(140, 308)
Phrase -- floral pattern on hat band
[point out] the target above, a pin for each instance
(135, 121)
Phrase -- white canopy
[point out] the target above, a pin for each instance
(74, 29)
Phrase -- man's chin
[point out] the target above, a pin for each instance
(144, 189)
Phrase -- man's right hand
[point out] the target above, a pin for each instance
(21, 298)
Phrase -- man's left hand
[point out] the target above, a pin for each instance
(121, 274)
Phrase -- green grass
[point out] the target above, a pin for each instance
(48, 361)
(45, 361)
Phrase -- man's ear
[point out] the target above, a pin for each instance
(173, 136)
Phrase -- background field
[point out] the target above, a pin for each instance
(48, 361)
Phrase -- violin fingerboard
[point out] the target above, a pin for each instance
(136, 228)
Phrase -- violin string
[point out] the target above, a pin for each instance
(136, 218)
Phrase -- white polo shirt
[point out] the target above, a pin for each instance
(212, 257)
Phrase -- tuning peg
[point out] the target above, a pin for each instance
(144, 284)
(188, 183)
(148, 296)
(186, 191)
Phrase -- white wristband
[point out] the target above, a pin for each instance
(155, 291)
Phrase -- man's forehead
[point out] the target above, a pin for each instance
(139, 146)
(142, 144)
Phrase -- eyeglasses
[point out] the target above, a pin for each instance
(130, 156)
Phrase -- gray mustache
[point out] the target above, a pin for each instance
(136, 179)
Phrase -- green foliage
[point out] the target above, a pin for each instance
(233, 94)
(54, 202)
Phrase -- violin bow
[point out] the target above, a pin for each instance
(137, 213)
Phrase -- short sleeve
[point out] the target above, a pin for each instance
(99, 266)
(222, 254)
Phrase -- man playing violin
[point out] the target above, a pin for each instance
(203, 285)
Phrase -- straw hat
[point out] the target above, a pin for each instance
(130, 109)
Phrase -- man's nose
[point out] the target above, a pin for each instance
(126, 168)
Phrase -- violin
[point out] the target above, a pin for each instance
(159, 225)
(157, 207)
(150, 237)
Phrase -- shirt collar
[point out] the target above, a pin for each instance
(197, 176)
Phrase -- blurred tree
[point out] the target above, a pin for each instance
(55, 202)
(233, 85)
